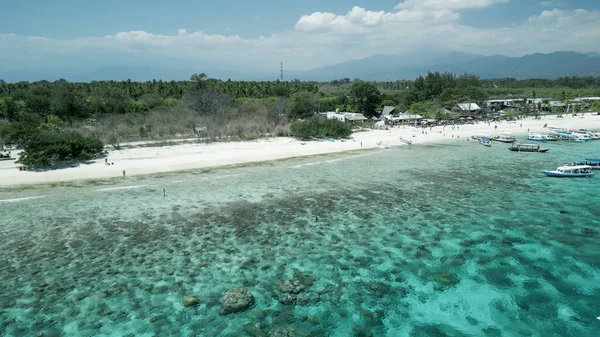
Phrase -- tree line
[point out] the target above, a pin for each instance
(115, 111)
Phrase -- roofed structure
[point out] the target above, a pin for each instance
(386, 111)
(469, 106)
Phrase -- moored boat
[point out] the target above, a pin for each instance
(581, 137)
(536, 137)
(485, 141)
(578, 171)
(518, 147)
(593, 163)
(505, 137)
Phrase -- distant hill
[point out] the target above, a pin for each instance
(381, 67)
(390, 67)
(376, 67)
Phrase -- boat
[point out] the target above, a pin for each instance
(581, 137)
(594, 163)
(537, 137)
(578, 171)
(518, 147)
(485, 141)
(594, 134)
(505, 137)
(550, 138)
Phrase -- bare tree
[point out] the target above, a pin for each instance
(207, 101)
(114, 129)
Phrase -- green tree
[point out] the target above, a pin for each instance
(365, 98)
(199, 80)
(316, 127)
(302, 105)
(422, 108)
(46, 148)
(10, 109)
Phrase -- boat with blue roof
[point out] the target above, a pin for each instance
(575, 171)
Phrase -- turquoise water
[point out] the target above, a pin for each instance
(433, 240)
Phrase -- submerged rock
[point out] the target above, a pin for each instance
(360, 331)
(189, 301)
(283, 331)
(290, 287)
(236, 300)
(445, 280)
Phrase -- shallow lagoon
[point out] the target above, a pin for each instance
(429, 240)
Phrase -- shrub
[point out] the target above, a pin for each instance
(46, 148)
(317, 127)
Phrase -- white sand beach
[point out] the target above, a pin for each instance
(147, 160)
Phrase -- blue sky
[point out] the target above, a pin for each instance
(97, 18)
(303, 34)
(77, 18)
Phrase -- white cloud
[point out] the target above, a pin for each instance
(446, 4)
(320, 38)
(553, 3)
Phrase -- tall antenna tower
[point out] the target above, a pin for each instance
(281, 72)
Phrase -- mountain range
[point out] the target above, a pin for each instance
(376, 67)
(392, 67)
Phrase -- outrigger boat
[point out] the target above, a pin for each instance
(578, 171)
(526, 148)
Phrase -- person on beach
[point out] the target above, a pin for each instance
(123, 173)
(164, 192)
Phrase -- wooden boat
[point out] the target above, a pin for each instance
(526, 148)
(578, 171)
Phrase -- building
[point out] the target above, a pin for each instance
(387, 110)
(585, 99)
(404, 118)
(352, 117)
(503, 103)
(467, 109)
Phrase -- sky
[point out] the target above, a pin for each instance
(237, 34)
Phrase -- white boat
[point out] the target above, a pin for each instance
(576, 171)
(537, 137)
(505, 137)
(581, 137)
(594, 134)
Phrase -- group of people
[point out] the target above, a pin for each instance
(111, 163)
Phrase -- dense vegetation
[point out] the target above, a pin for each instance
(215, 110)
(49, 148)
(315, 127)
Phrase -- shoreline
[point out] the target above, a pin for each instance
(147, 161)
